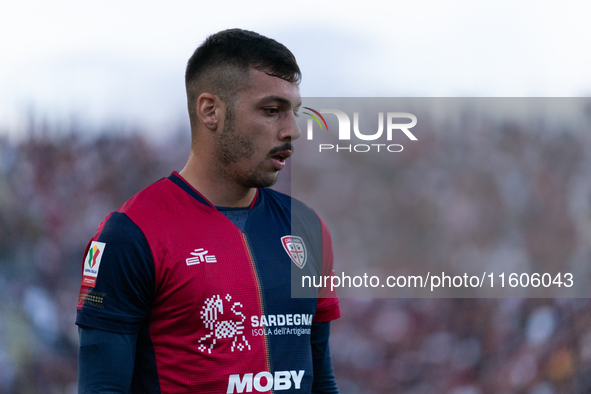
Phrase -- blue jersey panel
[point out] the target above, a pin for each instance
(122, 296)
(287, 322)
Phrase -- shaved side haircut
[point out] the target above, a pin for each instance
(221, 65)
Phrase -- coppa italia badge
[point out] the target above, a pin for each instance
(295, 248)
(92, 263)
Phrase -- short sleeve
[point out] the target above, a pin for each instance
(328, 303)
(118, 278)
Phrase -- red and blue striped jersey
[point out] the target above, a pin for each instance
(211, 304)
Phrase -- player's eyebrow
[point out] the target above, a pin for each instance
(278, 99)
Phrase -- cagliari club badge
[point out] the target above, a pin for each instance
(295, 248)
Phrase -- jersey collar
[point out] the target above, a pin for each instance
(176, 178)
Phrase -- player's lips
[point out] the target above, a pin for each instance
(279, 158)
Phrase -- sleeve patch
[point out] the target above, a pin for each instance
(93, 298)
(92, 263)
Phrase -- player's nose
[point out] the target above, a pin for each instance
(291, 131)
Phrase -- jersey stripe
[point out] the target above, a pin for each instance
(260, 298)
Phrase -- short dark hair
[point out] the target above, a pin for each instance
(220, 65)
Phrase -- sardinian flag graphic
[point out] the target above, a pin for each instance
(295, 248)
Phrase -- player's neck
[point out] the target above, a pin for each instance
(216, 189)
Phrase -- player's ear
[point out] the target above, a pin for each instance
(209, 110)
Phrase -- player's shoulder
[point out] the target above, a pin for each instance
(299, 211)
(119, 222)
(152, 198)
(286, 201)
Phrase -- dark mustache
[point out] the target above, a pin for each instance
(284, 147)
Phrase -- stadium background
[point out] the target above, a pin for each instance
(64, 165)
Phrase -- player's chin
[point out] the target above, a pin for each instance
(263, 179)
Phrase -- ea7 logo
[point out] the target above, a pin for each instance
(264, 381)
(345, 125)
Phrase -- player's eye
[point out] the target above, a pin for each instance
(272, 111)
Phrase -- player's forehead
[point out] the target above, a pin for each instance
(265, 89)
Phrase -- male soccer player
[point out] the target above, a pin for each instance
(187, 287)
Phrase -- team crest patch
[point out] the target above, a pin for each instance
(296, 249)
(92, 263)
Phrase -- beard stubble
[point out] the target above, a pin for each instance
(232, 146)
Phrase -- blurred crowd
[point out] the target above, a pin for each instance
(56, 187)
(475, 194)
(463, 346)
